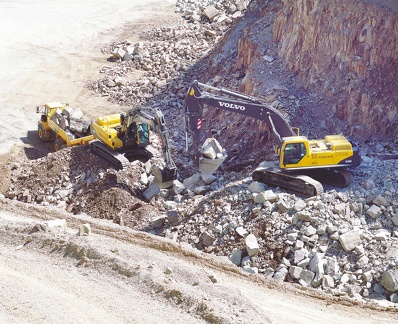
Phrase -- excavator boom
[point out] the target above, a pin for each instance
(237, 103)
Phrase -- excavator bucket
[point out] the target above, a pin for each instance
(164, 176)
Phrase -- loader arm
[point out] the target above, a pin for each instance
(233, 101)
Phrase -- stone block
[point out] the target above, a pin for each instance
(178, 187)
(57, 226)
(84, 230)
(158, 221)
(236, 256)
(192, 181)
(207, 238)
(208, 178)
(306, 278)
(317, 263)
(264, 196)
(118, 53)
(209, 166)
(350, 240)
(252, 246)
(210, 12)
(389, 280)
(152, 191)
(374, 211)
(381, 201)
(257, 187)
(173, 217)
(295, 272)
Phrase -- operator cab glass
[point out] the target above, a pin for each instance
(293, 153)
(143, 133)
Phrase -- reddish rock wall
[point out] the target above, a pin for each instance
(348, 49)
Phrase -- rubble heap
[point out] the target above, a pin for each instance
(344, 242)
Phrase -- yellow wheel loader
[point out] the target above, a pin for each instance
(58, 125)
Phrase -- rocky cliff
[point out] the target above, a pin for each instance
(348, 50)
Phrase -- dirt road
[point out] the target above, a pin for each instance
(48, 51)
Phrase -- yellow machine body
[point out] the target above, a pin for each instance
(297, 152)
(48, 130)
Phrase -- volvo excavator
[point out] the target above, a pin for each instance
(303, 164)
(122, 138)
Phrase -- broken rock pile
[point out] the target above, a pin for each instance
(344, 242)
(166, 53)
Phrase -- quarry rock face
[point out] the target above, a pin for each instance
(349, 51)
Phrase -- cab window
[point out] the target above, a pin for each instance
(294, 153)
(143, 133)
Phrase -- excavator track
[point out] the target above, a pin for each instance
(119, 159)
(335, 177)
(298, 184)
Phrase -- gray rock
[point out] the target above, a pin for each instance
(268, 58)
(300, 255)
(57, 226)
(369, 184)
(252, 246)
(173, 217)
(241, 231)
(317, 264)
(295, 272)
(158, 221)
(299, 205)
(280, 274)
(208, 178)
(207, 238)
(84, 230)
(394, 219)
(389, 280)
(374, 211)
(236, 256)
(256, 187)
(211, 149)
(252, 270)
(340, 208)
(381, 201)
(306, 278)
(202, 190)
(350, 240)
(327, 282)
(152, 191)
(264, 196)
(192, 181)
(178, 187)
(282, 206)
(211, 12)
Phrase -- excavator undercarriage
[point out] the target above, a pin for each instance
(296, 183)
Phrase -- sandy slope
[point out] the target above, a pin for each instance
(49, 49)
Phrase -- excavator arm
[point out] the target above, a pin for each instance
(199, 95)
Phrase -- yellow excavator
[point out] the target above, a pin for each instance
(303, 164)
(122, 138)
